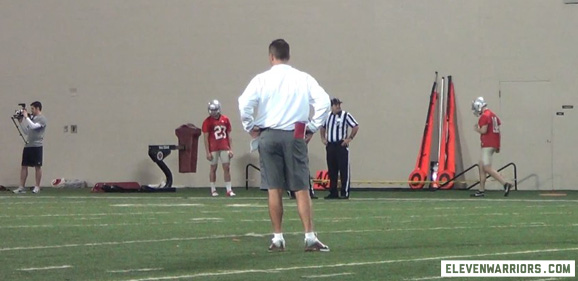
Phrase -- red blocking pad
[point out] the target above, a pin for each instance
(188, 135)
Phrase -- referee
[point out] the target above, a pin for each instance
(334, 135)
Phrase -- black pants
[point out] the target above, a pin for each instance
(338, 165)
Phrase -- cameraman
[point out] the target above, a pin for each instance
(33, 125)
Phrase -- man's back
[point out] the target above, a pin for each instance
(282, 96)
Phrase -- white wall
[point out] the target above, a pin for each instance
(129, 72)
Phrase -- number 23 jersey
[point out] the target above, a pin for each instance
(218, 130)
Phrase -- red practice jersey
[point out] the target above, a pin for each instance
(218, 130)
(492, 136)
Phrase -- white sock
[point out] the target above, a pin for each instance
(228, 185)
(310, 236)
(213, 188)
(278, 236)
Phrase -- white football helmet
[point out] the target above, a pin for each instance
(214, 108)
(478, 106)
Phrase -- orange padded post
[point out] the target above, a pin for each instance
(418, 176)
(322, 180)
(188, 135)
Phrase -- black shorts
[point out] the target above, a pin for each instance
(32, 156)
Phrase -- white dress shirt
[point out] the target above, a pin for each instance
(282, 96)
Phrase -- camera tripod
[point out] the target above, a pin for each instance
(18, 128)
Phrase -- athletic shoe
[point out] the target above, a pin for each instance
(214, 194)
(19, 190)
(507, 188)
(314, 197)
(277, 246)
(315, 246)
(329, 197)
(231, 194)
(478, 194)
(36, 189)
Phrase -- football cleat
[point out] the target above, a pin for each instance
(507, 188)
(277, 246)
(231, 194)
(478, 194)
(315, 246)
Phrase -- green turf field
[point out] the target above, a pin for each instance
(63, 234)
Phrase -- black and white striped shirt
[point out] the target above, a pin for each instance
(336, 126)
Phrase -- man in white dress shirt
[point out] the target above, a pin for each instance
(282, 96)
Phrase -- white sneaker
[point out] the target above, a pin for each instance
(231, 194)
(277, 245)
(315, 246)
(19, 190)
(214, 193)
(36, 189)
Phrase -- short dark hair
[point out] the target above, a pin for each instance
(279, 49)
(37, 104)
(335, 101)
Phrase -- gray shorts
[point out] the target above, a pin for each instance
(486, 157)
(284, 161)
(220, 154)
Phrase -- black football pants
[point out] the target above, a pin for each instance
(338, 165)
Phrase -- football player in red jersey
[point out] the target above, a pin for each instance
(488, 127)
(218, 145)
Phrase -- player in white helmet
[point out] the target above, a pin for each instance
(488, 127)
(218, 145)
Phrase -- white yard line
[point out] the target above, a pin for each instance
(485, 200)
(158, 205)
(418, 216)
(267, 234)
(184, 197)
(41, 202)
(45, 268)
(134, 270)
(326, 275)
(353, 264)
(92, 215)
(244, 211)
(237, 211)
(192, 221)
(247, 205)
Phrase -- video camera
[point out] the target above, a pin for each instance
(18, 113)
